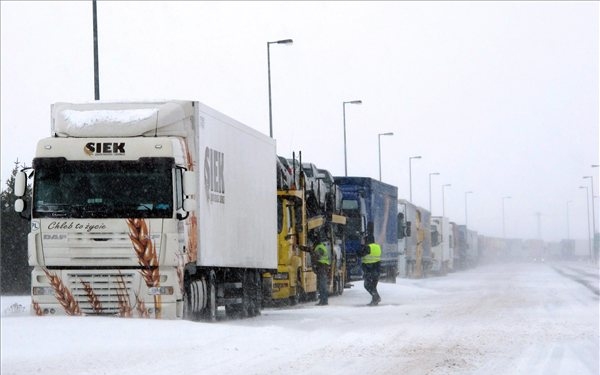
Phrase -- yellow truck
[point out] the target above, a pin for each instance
(297, 233)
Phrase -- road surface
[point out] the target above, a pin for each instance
(495, 319)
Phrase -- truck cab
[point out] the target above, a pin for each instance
(371, 208)
(441, 256)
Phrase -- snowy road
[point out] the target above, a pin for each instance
(500, 319)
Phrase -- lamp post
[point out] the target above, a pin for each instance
(283, 41)
(568, 222)
(466, 213)
(96, 67)
(595, 239)
(344, 111)
(593, 217)
(379, 145)
(443, 199)
(587, 201)
(410, 175)
(431, 174)
(503, 223)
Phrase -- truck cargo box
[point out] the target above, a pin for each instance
(237, 194)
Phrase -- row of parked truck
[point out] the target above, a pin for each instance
(172, 209)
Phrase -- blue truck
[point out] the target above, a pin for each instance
(371, 211)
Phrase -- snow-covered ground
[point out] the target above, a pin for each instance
(495, 319)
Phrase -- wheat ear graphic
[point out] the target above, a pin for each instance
(37, 308)
(147, 257)
(141, 307)
(62, 294)
(123, 297)
(92, 297)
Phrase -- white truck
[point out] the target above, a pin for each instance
(442, 255)
(152, 209)
(414, 240)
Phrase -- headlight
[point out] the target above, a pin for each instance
(282, 276)
(42, 291)
(160, 290)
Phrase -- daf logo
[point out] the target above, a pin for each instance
(55, 236)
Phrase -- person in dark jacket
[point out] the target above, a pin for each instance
(371, 261)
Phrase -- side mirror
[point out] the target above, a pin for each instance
(189, 205)
(20, 184)
(189, 183)
(408, 228)
(370, 231)
(19, 205)
(435, 238)
(401, 229)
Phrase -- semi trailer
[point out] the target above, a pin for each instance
(161, 209)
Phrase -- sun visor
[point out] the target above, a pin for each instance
(100, 119)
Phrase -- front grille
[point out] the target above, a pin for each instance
(104, 292)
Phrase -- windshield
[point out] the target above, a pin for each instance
(103, 189)
(353, 228)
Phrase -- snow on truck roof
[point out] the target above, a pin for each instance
(123, 119)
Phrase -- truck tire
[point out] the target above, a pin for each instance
(295, 298)
(298, 295)
(194, 298)
(339, 285)
(210, 311)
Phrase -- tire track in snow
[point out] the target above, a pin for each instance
(579, 277)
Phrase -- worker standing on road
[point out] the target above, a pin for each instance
(371, 260)
(322, 264)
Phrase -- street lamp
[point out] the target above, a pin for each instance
(283, 41)
(410, 174)
(568, 222)
(96, 67)
(587, 201)
(344, 111)
(431, 174)
(593, 214)
(595, 239)
(379, 144)
(443, 200)
(466, 213)
(503, 223)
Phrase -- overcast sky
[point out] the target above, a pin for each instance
(500, 98)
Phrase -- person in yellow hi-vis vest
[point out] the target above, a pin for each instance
(371, 260)
(322, 263)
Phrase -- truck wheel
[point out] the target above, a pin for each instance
(188, 314)
(300, 295)
(294, 299)
(339, 286)
(210, 311)
(194, 298)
